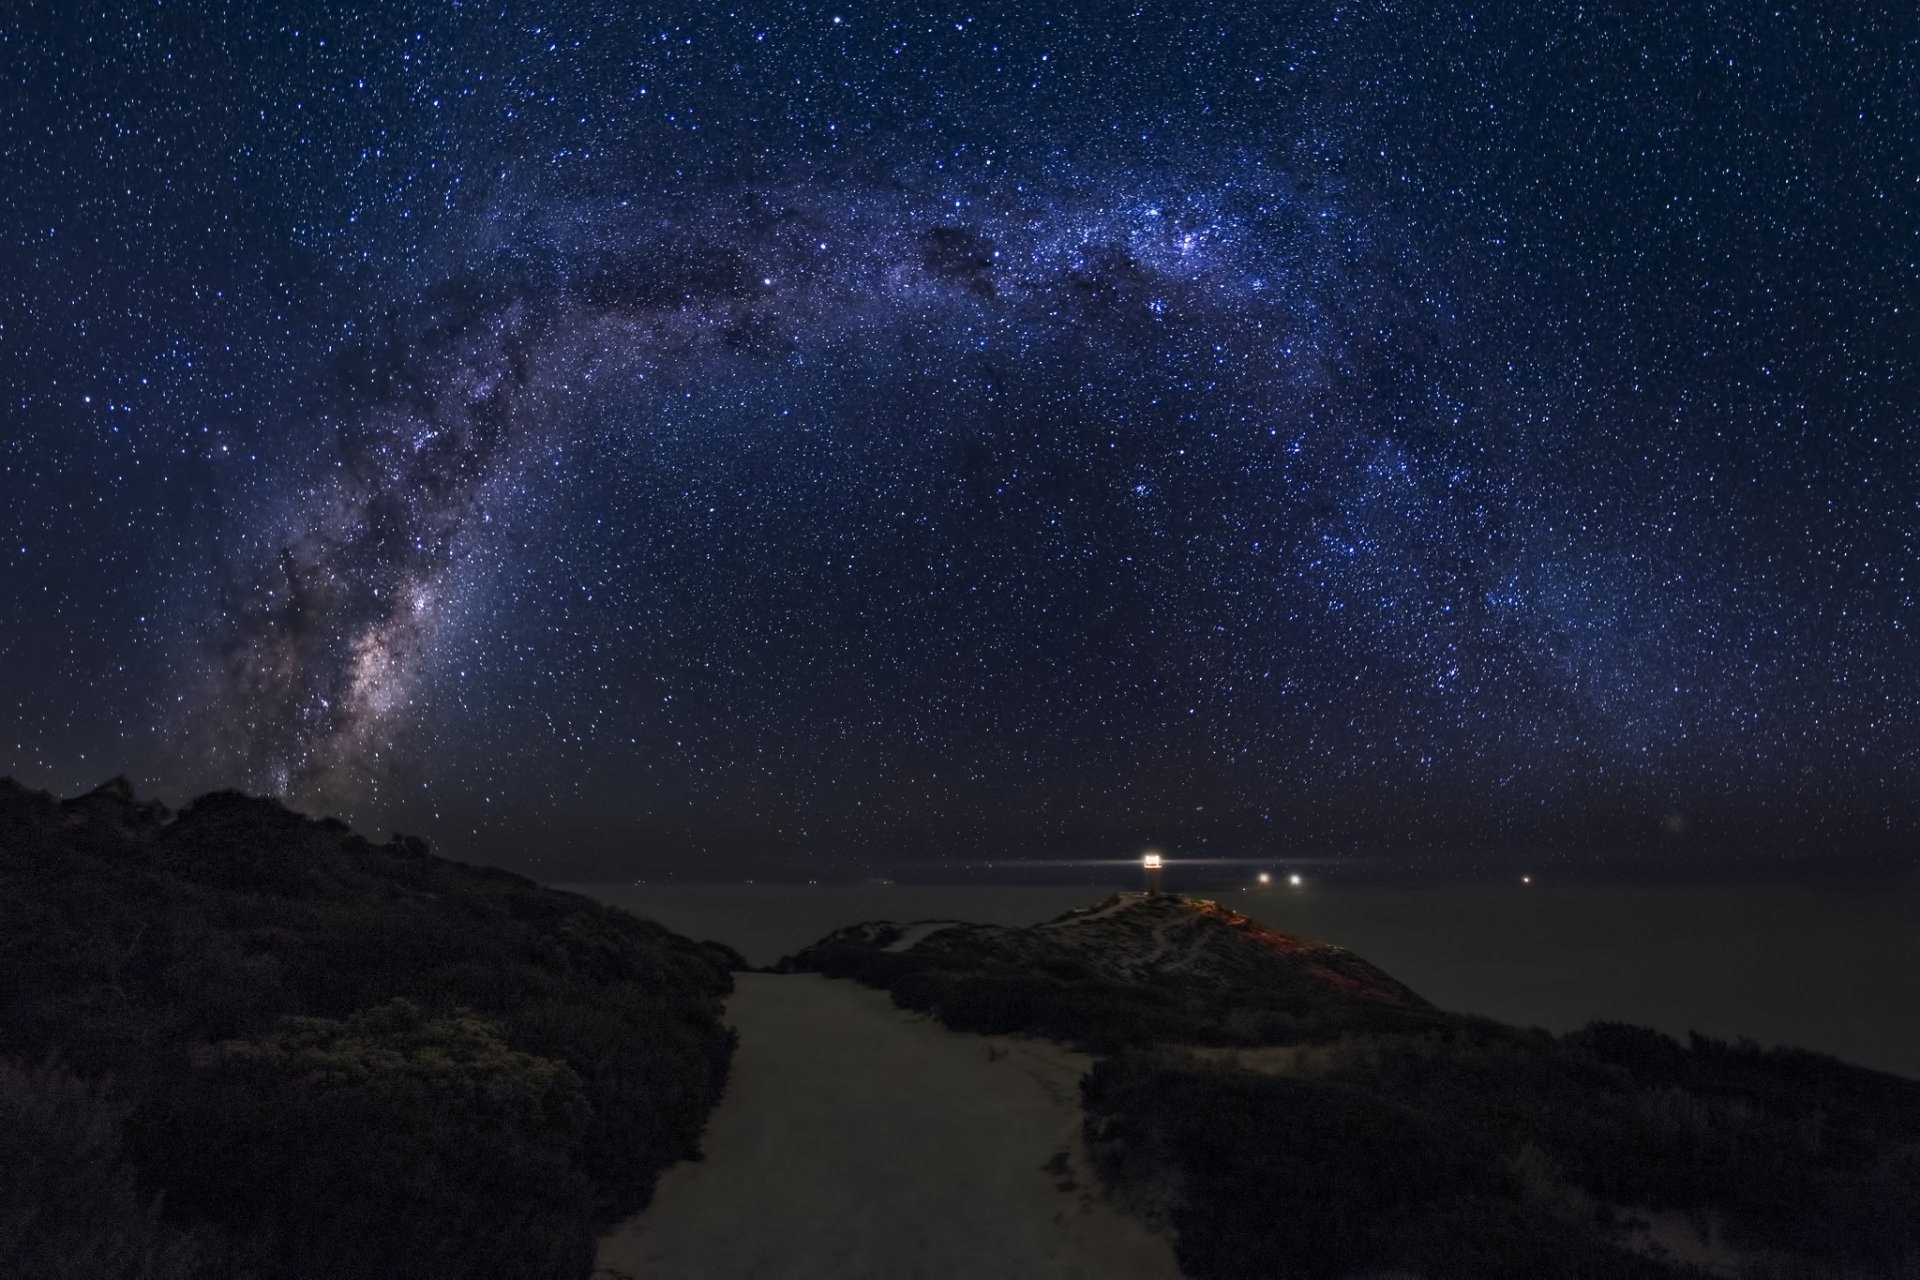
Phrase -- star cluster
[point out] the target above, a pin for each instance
(796, 440)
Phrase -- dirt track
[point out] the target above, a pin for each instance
(857, 1141)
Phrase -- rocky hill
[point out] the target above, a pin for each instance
(236, 1041)
(1133, 969)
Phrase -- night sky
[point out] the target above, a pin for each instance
(832, 441)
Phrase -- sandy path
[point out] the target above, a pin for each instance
(859, 1141)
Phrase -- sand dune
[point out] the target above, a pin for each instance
(858, 1141)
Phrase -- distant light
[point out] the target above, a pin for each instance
(1151, 861)
(1294, 880)
(1265, 878)
(1526, 879)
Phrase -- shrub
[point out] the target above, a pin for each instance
(70, 1206)
(347, 1059)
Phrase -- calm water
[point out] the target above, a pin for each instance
(1834, 968)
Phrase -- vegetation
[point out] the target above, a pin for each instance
(237, 1042)
(1091, 979)
(1102, 1016)
(1488, 1152)
(70, 1205)
(1320, 1130)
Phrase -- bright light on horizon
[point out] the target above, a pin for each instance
(1151, 861)
(1294, 879)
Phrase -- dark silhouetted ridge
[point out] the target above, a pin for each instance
(237, 1041)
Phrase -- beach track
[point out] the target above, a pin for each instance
(857, 1140)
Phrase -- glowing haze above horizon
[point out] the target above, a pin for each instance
(828, 440)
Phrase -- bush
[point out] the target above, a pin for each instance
(347, 1059)
(1486, 1151)
(70, 1206)
(314, 1140)
(1279, 1177)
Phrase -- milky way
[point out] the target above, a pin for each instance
(321, 670)
(804, 440)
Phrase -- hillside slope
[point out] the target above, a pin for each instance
(1294, 1112)
(237, 1041)
(1134, 969)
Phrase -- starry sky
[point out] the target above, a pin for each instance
(853, 441)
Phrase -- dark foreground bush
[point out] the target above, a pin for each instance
(1280, 1178)
(1500, 1154)
(331, 1058)
(70, 1204)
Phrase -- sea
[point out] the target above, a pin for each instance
(1828, 966)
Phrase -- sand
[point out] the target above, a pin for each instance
(856, 1140)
